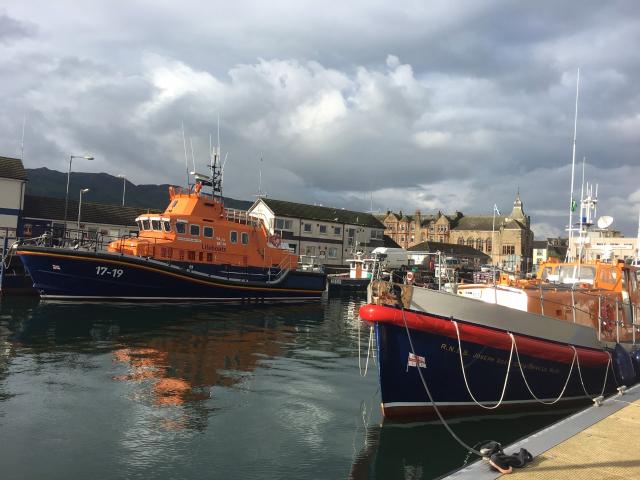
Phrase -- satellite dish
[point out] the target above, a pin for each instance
(605, 222)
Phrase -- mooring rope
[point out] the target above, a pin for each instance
(369, 351)
(433, 403)
(464, 375)
(606, 372)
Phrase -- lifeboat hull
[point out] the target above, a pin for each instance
(485, 352)
(76, 275)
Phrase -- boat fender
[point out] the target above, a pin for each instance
(505, 463)
(635, 360)
(623, 366)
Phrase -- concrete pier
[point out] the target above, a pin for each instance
(595, 443)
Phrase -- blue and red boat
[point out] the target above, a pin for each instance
(475, 355)
(196, 250)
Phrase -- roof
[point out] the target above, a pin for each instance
(12, 168)
(448, 248)
(486, 222)
(282, 208)
(52, 208)
(390, 242)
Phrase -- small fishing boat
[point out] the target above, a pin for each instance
(360, 272)
(196, 250)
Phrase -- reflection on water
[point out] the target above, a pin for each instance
(159, 391)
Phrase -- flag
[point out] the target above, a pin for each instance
(574, 205)
(416, 361)
(495, 209)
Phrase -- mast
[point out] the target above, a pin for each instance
(186, 158)
(573, 168)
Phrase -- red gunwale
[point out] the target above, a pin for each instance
(499, 339)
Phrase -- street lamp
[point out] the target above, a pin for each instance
(82, 190)
(124, 186)
(66, 197)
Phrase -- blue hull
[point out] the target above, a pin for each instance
(403, 393)
(74, 275)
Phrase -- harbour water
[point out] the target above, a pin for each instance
(268, 392)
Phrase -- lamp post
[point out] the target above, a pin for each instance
(82, 190)
(66, 197)
(124, 186)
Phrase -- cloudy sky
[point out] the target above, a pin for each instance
(413, 104)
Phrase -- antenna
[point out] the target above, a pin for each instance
(605, 222)
(260, 193)
(24, 122)
(186, 159)
(573, 166)
(193, 158)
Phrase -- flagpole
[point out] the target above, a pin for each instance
(493, 251)
(573, 167)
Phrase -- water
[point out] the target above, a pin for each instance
(270, 392)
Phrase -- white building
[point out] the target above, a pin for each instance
(329, 235)
(602, 245)
(13, 179)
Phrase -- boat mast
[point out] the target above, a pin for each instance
(573, 168)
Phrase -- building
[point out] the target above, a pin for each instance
(330, 235)
(468, 256)
(606, 245)
(13, 180)
(511, 234)
(544, 250)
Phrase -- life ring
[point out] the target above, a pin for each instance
(410, 277)
(275, 240)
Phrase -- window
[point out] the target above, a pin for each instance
(209, 257)
(332, 252)
(194, 230)
(181, 255)
(145, 225)
(155, 224)
(207, 232)
(200, 255)
(337, 230)
(377, 234)
(487, 245)
(306, 227)
(351, 232)
(461, 241)
(163, 252)
(167, 226)
(508, 249)
(233, 237)
(283, 224)
(323, 229)
(181, 227)
(191, 255)
(244, 237)
(479, 244)
(310, 250)
(470, 242)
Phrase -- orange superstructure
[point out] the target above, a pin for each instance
(196, 228)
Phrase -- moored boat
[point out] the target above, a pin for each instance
(196, 250)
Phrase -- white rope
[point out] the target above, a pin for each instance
(573, 361)
(464, 375)
(606, 372)
(369, 350)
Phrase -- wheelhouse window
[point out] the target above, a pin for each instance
(233, 237)
(146, 225)
(194, 230)
(207, 232)
(167, 225)
(244, 237)
(139, 224)
(155, 224)
(181, 227)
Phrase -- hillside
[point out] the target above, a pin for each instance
(104, 188)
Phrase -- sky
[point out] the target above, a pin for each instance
(364, 105)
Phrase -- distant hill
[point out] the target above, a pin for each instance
(104, 188)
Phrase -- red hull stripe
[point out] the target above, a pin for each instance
(483, 336)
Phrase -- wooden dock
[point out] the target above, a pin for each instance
(595, 443)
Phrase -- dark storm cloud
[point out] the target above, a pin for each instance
(412, 105)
